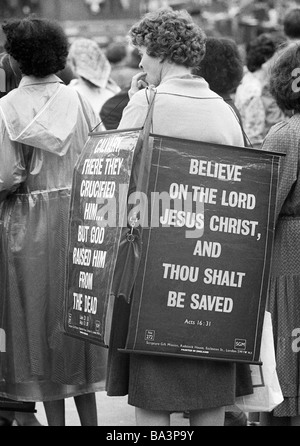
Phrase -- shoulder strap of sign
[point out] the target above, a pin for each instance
(247, 141)
(146, 149)
(150, 95)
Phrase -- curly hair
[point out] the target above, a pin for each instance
(291, 23)
(170, 35)
(222, 66)
(40, 46)
(284, 85)
(262, 49)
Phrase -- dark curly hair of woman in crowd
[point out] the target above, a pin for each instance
(40, 46)
(262, 49)
(222, 66)
(170, 35)
(285, 79)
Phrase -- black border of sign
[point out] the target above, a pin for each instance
(260, 316)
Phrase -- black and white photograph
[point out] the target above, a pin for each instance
(149, 216)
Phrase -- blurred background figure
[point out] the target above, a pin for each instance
(67, 74)
(116, 53)
(223, 69)
(92, 69)
(123, 70)
(112, 110)
(10, 74)
(257, 107)
(291, 24)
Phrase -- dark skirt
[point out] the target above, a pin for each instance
(180, 384)
(168, 383)
(284, 305)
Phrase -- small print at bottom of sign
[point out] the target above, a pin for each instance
(192, 351)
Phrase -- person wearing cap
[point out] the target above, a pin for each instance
(93, 70)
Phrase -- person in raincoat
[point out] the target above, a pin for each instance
(10, 77)
(43, 128)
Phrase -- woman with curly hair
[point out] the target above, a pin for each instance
(284, 289)
(171, 44)
(258, 110)
(44, 126)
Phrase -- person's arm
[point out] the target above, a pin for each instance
(12, 169)
(135, 112)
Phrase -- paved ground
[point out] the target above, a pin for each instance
(112, 411)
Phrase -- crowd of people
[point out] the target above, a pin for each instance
(53, 94)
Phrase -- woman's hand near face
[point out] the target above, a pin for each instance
(138, 82)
